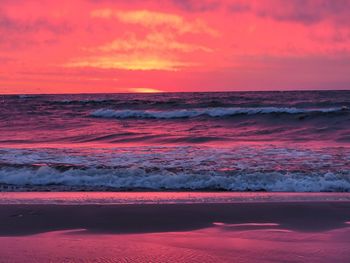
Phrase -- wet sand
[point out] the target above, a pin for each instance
(148, 218)
(230, 232)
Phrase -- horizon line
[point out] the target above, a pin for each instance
(161, 92)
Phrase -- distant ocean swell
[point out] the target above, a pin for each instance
(190, 101)
(208, 112)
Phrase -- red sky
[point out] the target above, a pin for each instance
(176, 45)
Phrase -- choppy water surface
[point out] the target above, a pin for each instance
(238, 141)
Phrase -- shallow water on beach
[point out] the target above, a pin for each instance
(124, 198)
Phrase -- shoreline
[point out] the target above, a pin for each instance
(166, 197)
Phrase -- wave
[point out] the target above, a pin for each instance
(25, 178)
(209, 112)
(119, 102)
(27, 96)
(84, 101)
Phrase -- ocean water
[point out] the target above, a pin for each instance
(238, 141)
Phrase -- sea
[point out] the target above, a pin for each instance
(281, 141)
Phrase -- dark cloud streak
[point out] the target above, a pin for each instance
(11, 25)
(197, 6)
(14, 32)
(301, 11)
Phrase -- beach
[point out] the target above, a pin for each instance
(269, 231)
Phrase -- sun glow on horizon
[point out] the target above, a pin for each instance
(144, 90)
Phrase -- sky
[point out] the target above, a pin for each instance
(85, 46)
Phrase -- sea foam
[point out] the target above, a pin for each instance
(128, 179)
(243, 168)
(209, 112)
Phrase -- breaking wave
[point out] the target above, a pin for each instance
(209, 112)
(26, 178)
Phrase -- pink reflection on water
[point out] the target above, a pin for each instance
(214, 244)
(162, 197)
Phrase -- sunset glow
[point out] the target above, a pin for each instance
(177, 45)
(175, 131)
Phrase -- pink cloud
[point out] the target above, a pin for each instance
(174, 45)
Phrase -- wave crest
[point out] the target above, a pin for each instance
(126, 179)
(209, 112)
